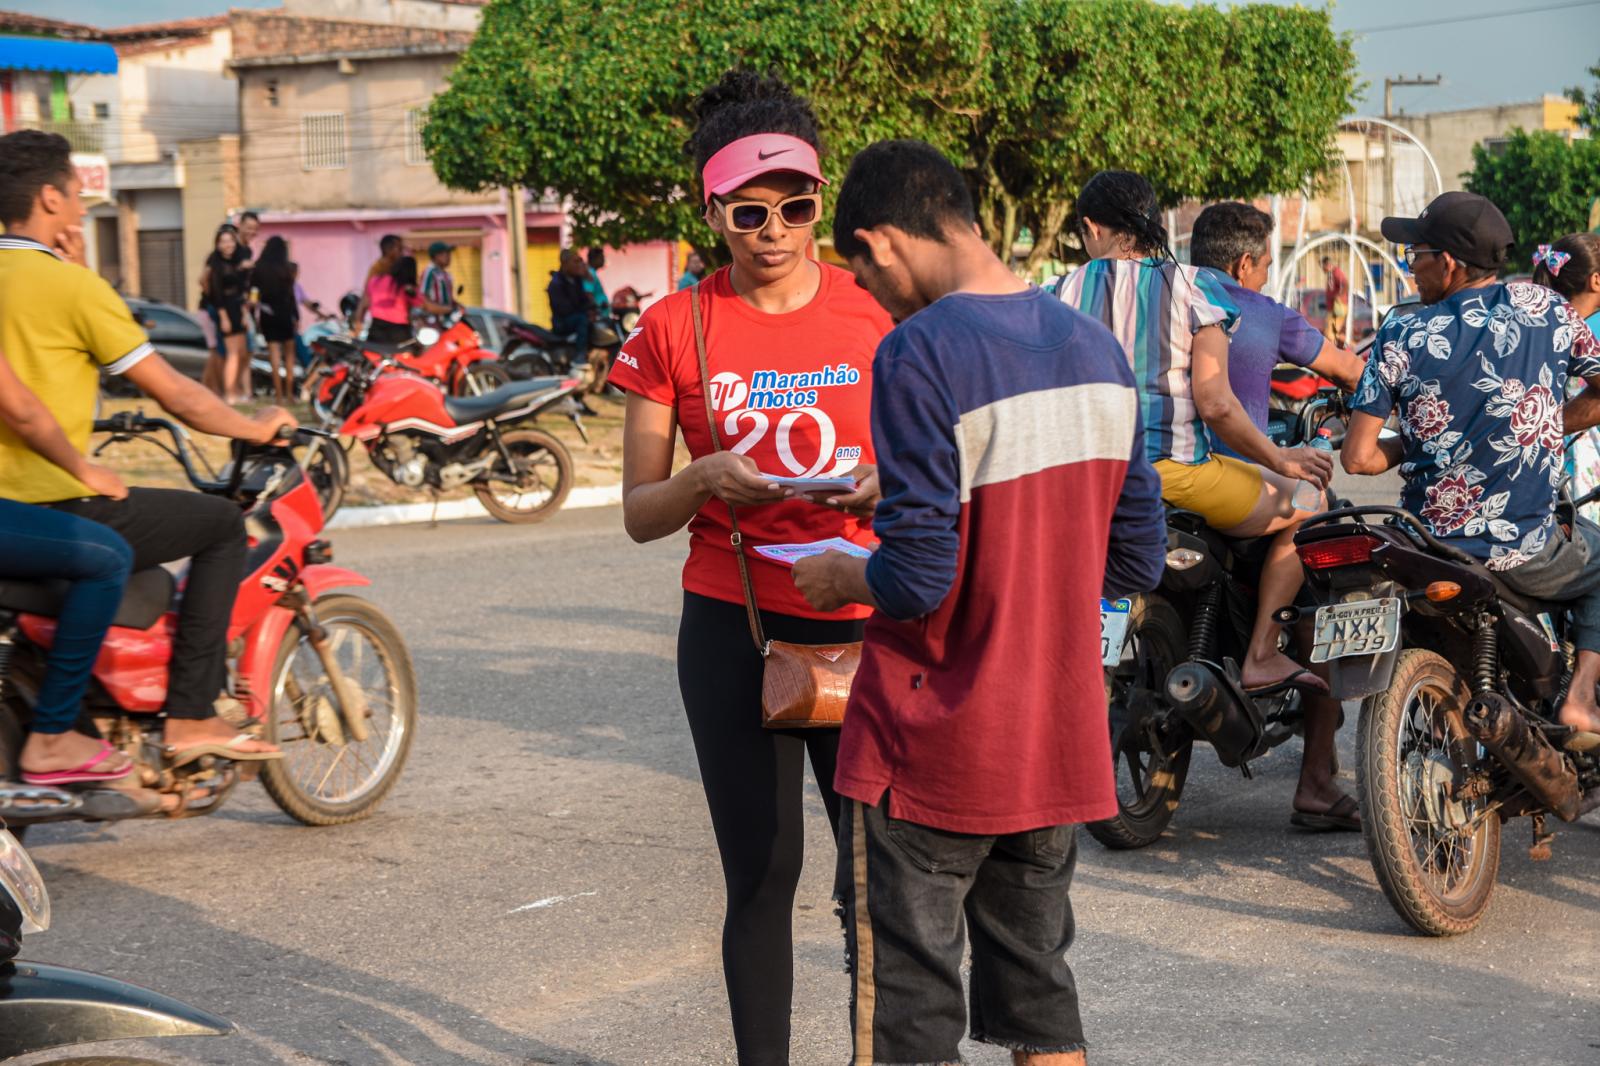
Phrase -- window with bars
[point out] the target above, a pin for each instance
(416, 118)
(322, 141)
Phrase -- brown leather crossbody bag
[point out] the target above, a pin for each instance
(802, 685)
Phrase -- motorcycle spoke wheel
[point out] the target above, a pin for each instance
(538, 485)
(326, 777)
(485, 375)
(1149, 750)
(327, 467)
(1436, 853)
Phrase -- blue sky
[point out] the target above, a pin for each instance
(1527, 48)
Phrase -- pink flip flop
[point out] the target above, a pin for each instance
(80, 774)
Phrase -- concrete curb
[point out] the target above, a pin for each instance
(399, 514)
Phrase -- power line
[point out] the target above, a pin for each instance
(1420, 24)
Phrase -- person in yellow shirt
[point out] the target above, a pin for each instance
(61, 325)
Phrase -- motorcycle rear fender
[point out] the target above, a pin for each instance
(51, 1006)
(261, 651)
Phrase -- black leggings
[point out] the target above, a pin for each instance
(754, 781)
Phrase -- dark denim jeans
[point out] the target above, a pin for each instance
(35, 543)
(580, 328)
(905, 892)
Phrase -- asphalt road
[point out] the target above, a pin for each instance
(542, 887)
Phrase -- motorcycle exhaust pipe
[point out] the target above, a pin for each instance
(1532, 760)
(1211, 707)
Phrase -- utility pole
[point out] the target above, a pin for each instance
(517, 237)
(1389, 86)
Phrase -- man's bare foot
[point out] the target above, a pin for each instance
(1582, 715)
(1276, 668)
(46, 753)
(194, 732)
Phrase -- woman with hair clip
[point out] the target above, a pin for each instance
(1174, 321)
(1571, 266)
(789, 343)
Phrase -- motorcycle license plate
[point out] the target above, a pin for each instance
(1366, 627)
(1113, 629)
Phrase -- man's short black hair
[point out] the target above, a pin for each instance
(1226, 231)
(906, 184)
(250, 216)
(389, 242)
(30, 160)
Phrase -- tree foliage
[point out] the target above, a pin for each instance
(1542, 182)
(1029, 97)
(1588, 103)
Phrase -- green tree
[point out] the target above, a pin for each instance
(1029, 97)
(1588, 103)
(1543, 182)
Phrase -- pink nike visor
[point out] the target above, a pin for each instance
(751, 157)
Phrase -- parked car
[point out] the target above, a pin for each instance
(490, 325)
(178, 335)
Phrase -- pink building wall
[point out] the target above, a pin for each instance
(335, 253)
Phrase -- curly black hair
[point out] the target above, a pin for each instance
(1124, 201)
(745, 103)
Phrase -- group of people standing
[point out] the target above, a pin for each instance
(984, 423)
(246, 296)
(395, 296)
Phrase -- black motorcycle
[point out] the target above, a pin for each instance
(43, 1007)
(1460, 679)
(1173, 658)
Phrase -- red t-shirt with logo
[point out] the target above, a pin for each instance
(791, 391)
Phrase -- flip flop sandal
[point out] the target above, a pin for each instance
(1344, 816)
(1579, 741)
(177, 757)
(1304, 680)
(83, 773)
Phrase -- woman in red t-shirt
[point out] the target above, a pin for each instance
(790, 343)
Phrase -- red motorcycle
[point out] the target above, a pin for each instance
(453, 357)
(421, 438)
(321, 673)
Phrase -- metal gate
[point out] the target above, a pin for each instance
(161, 265)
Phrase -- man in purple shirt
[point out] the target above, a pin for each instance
(1234, 240)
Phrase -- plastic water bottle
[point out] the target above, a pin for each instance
(1307, 497)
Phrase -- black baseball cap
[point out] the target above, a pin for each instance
(1468, 226)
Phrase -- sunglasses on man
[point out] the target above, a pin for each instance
(752, 216)
(1412, 251)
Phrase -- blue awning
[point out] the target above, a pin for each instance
(47, 53)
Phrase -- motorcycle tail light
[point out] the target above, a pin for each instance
(1341, 551)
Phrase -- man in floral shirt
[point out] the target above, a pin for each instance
(1477, 374)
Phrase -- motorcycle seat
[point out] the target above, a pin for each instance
(476, 408)
(146, 598)
(410, 347)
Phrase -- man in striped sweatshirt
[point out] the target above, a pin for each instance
(1016, 493)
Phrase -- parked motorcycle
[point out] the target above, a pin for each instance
(1460, 679)
(419, 437)
(452, 356)
(533, 351)
(44, 1007)
(1172, 661)
(323, 674)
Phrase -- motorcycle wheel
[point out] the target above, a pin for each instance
(1150, 751)
(1413, 745)
(325, 778)
(485, 375)
(327, 467)
(539, 485)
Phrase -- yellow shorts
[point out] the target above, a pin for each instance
(1222, 490)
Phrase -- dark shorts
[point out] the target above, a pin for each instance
(910, 895)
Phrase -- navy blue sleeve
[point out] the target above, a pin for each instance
(1136, 553)
(919, 471)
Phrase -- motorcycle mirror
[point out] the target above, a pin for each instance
(427, 336)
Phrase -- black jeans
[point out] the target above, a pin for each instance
(754, 782)
(164, 525)
(906, 890)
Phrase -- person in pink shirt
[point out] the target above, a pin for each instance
(391, 297)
